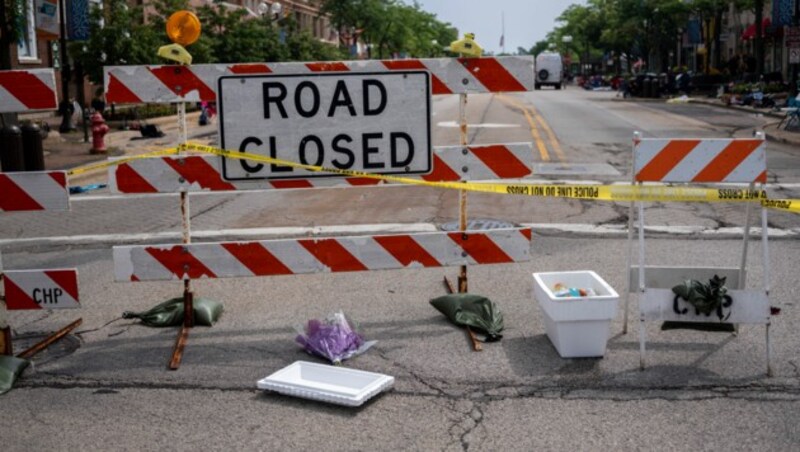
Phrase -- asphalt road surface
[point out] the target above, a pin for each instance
(106, 387)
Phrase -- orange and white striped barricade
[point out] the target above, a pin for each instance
(27, 90)
(719, 162)
(175, 84)
(34, 191)
(195, 173)
(328, 255)
(171, 84)
(36, 289)
(416, 79)
(172, 174)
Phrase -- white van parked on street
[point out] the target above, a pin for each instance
(549, 70)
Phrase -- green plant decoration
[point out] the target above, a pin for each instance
(706, 298)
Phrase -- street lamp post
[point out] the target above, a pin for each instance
(64, 106)
(273, 11)
(566, 40)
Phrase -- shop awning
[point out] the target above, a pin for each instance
(767, 30)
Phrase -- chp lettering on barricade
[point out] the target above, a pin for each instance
(682, 293)
(371, 116)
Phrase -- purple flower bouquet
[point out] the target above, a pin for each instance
(333, 338)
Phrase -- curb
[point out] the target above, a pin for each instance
(770, 136)
(769, 113)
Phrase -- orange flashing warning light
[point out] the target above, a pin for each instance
(183, 27)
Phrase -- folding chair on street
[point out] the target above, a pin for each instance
(792, 111)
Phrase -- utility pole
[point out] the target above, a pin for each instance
(64, 106)
(759, 38)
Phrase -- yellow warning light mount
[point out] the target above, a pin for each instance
(467, 46)
(183, 29)
(175, 52)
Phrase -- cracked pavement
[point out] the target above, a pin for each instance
(109, 384)
(106, 386)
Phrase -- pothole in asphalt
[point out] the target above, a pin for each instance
(57, 350)
(480, 224)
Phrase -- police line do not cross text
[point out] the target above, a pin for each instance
(372, 122)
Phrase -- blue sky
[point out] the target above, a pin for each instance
(526, 21)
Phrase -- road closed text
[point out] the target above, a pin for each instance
(373, 122)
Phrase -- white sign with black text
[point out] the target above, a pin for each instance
(372, 122)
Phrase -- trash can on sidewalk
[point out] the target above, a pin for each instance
(646, 84)
(32, 148)
(12, 158)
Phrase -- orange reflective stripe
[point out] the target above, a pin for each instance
(727, 161)
(663, 162)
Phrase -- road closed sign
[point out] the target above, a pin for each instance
(372, 122)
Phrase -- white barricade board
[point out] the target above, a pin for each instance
(45, 190)
(700, 160)
(171, 84)
(204, 173)
(314, 255)
(667, 277)
(749, 306)
(27, 90)
(41, 289)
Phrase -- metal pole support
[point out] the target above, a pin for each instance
(462, 194)
(188, 296)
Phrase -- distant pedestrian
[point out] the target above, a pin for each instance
(98, 104)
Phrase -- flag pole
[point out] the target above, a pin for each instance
(503, 31)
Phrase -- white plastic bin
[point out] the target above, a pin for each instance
(578, 327)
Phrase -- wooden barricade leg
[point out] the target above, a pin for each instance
(767, 285)
(642, 340)
(188, 322)
(6, 347)
(188, 296)
(49, 340)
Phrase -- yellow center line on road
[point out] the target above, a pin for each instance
(534, 130)
(556, 145)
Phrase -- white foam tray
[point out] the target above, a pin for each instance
(326, 383)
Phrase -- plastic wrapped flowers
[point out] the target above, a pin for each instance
(334, 338)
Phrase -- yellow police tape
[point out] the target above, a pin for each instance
(599, 192)
(119, 161)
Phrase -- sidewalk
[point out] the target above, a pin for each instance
(771, 130)
(68, 151)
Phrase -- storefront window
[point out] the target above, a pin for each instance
(26, 46)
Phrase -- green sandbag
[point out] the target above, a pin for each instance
(10, 368)
(474, 311)
(170, 313)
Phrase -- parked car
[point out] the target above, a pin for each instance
(549, 70)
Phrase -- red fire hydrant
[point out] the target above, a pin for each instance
(99, 130)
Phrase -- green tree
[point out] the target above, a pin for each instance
(390, 26)
(12, 14)
(231, 37)
(123, 39)
(584, 24)
(539, 47)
